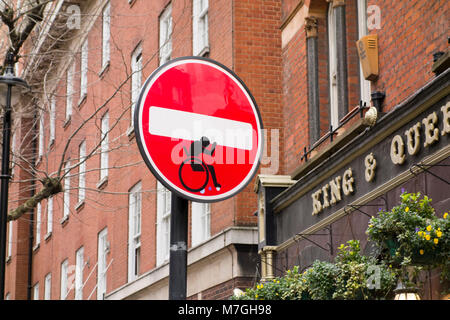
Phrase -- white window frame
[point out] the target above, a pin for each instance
(82, 172)
(104, 147)
(69, 91)
(84, 69)
(134, 231)
(52, 120)
(332, 61)
(79, 266)
(201, 222)
(41, 135)
(165, 35)
(200, 37)
(102, 251)
(49, 215)
(10, 234)
(163, 208)
(38, 224)
(64, 279)
(48, 287)
(362, 31)
(66, 195)
(36, 291)
(136, 78)
(106, 35)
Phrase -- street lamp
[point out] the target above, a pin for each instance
(404, 293)
(9, 80)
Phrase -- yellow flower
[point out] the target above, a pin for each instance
(429, 228)
(406, 209)
(436, 240)
(420, 233)
(439, 234)
(427, 237)
(421, 251)
(256, 296)
(445, 215)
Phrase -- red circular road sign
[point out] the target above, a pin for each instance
(199, 129)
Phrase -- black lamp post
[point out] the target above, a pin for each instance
(9, 80)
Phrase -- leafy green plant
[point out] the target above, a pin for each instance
(412, 234)
(348, 278)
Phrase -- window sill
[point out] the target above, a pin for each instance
(82, 101)
(102, 183)
(64, 220)
(67, 122)
(36, 247)
(130, 133)
(79, 206)
(204, 51)
(48, 236)
(104, 69)
(51, 143)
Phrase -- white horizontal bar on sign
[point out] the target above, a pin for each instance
(184, 125)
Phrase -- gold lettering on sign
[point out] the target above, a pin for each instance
(371, 165)
(317, 205)
(347, 182)
(326, 203)
(413, 139)
(446, 119)
(335, 190)
(397, 150)
(431, 133)
(330, 194)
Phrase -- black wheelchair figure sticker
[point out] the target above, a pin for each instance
(194, 161)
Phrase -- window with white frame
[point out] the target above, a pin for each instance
(10, 234)
(69, 91)
(165, 35)
(106, 35)
(41, 135)
(64, 279)
(102, 251)
(36, 291)
(82, 172)
(362, 31)
(104, 146)
(48, 287)
(66, 196)
(201, 217)
(200, 38)
(134, 231)
(13, 153)
(38, 224)
(136, 78)
(52, 120)
(163, 207)
(332, 67)
(84, 69)
(79, 266)
(49, 215)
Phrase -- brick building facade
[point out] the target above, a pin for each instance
(300, 61)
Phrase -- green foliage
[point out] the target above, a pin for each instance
(348, 278)
(411, 234)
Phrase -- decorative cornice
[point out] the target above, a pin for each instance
(311, 27)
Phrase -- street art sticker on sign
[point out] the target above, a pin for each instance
(199, 129)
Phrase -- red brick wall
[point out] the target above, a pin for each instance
(411, 31)
(257, 61)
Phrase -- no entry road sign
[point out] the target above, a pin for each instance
(199, 129)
